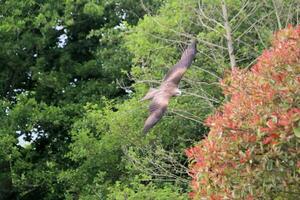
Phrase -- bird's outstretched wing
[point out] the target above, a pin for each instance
(160, 97)
(175, 74)
(157, 109)
(151, 93)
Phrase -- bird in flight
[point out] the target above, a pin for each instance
(169, 87)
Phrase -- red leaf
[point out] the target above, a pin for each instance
(270, 138)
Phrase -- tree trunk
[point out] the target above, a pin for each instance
(228, 35)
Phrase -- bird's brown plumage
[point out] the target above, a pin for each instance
(168, 88)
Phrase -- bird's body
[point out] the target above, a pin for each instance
(168, 88)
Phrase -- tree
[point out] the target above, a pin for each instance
(156, 43)
(56, 56)
(72, 74)
(252, 149)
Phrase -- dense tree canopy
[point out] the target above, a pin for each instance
(72, 74)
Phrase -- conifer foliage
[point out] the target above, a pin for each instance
(252, 150)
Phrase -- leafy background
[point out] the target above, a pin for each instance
(72, 74)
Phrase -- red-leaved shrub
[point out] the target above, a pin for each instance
(252, 150)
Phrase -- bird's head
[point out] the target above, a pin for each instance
(177, 92)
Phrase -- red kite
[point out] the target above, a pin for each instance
(168, 88)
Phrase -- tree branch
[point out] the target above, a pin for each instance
(228, 35)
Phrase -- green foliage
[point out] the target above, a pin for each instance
(93, 9)
(98, 134)
(46, 80)
(146, 192)
(72, 74)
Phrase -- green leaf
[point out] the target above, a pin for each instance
(297, 131)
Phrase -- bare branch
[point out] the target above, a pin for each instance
(277, 14)
(228, 35)
(248, 15)
(208, 18)
(240, 11)
(159, 164)
(253, 25)
(209, 72)
(203, 97)
(185, 117)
